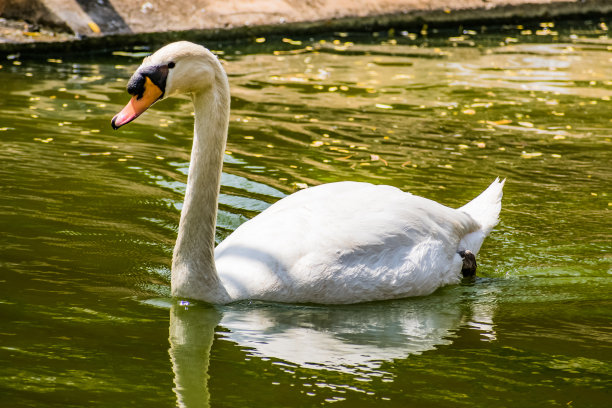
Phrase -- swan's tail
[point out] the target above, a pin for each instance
(485, 209)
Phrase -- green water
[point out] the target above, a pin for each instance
(89, 218)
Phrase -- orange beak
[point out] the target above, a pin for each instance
(137, 105)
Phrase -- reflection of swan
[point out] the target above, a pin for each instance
(191, 337)
(336, 243)
(355, 340)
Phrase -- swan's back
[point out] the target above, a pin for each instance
(344, 243)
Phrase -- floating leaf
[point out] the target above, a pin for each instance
(292, 42)
(526, 155)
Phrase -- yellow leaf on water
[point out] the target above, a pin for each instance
(500, 122)
(526, 155)
(292, 42)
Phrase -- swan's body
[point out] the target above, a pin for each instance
(342, 242)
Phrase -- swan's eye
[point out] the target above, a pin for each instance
(171, 64)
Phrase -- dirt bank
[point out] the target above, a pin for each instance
(38, 24)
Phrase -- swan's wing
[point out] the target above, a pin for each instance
(344, 242)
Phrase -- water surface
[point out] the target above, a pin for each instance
(89, 219)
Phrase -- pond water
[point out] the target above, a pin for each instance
(89, 218)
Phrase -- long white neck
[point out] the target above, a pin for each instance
(193, 266)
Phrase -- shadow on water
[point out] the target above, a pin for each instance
(354, 340)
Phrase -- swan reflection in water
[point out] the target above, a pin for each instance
(354, 339)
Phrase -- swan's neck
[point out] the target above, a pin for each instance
(193, 266)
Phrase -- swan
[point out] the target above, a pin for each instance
(337, 243)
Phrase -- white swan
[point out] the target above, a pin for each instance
(342, 242)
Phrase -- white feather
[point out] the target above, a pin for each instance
(344, 243)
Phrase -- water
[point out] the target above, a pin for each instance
(89, 219)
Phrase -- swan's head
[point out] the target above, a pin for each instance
(178, 68)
